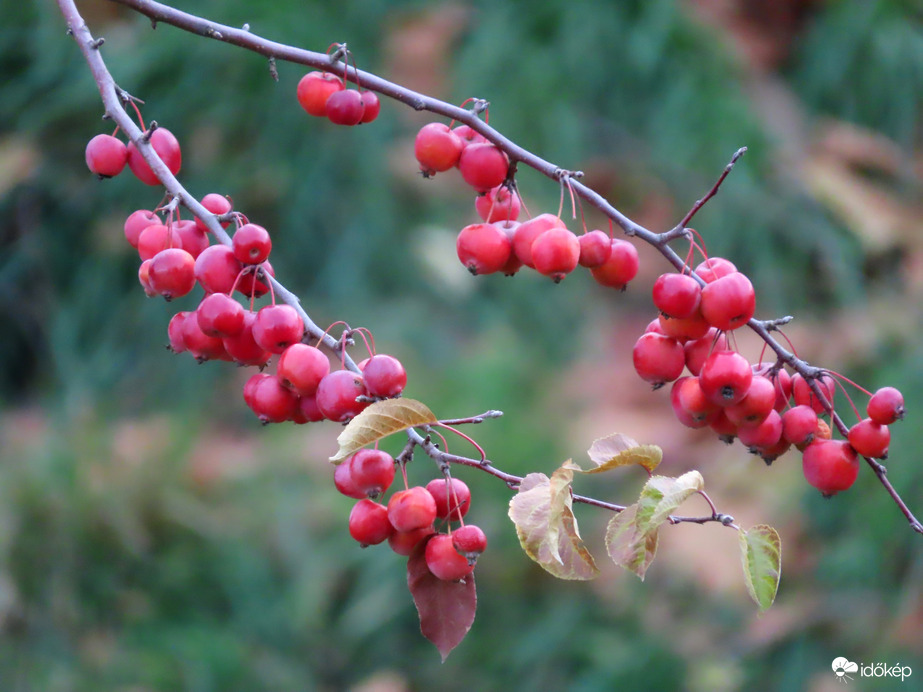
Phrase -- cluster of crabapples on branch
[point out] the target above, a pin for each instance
(760, 404)
(322, 94)
(408, 520)
(177, 254)
(501, 243)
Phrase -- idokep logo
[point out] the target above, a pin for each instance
(842, 667)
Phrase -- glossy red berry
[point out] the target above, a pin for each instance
(301, 367)
(498, 204)
(336, 395)
(483, 166)
(251, 244)
(756, 405)
(870, 439)
(144, 278)
(241, 348)
(202, 346)
(216, 269)
(106, 155)
(595, 247)
(371, 106)
(804, 395)
(620, 267)
(725, 377)
(483, 248)
(684, 329)
(277, 327)
(729, 301)
(658, 359)
(405, 542)
(384, 376)
(437, 148)
(831, 466)
(372, 471)
(444, 561)
(343, 481)
(765, 435)
(452, 495)
(308, 409)
(677, 295)
(368, 523)
(155, 238)
(167, 148)
(136, 222)
(217, 205)
(469, 136)
(714, 268)
(314, 89)
(411, 509)
(555, 253)
(513, 264)
(799, 424)
(886, 406)
(249, 285)
(175, 331)
(345, 107)
(697, 350)
(689, 404)
(220, 315)
(272, 402)
(470, 541)
(172, 273)
(526, 233)
(192, 238)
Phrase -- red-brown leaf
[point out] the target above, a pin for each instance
(446, 608)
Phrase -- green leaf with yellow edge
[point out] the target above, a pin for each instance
(618, 450)
(632, 534)
(761, 554)
(378, 420)
(542, 511)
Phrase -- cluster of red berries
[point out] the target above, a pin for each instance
(106, 156)
(409, 517)
(760, 404)
(177, 255)
(323, 95)
(501, 243)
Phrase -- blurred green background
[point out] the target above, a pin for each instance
(154, 537)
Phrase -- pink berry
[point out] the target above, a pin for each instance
(483, 248)
(498, 204)
(483, 166)
(725, 377)
(595, 248)
(886, 406)
(106, 155)
(677, 295)
(870, 439)
(251, 244)
(301, 367)
(526, 233)
(831, 466)
(277, 327)
(314, 89)
(411, 509)
(621, 266)
(167, 148)
(444, 561)
(336, 395)
(450, 496)
(555, 253)
(172, 273)
(372, 471)
(368, 523)
(345, 107)
(371, 106)
(658, 359)
(437, 148)
(728, 302)
(384, 376)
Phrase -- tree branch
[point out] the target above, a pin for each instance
(113, 98)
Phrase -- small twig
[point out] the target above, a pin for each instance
(714, 190)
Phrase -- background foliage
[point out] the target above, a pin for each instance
(154, 537)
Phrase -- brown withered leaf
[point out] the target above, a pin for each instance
(542, 511)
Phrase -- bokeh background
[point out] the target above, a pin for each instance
(154, 537)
